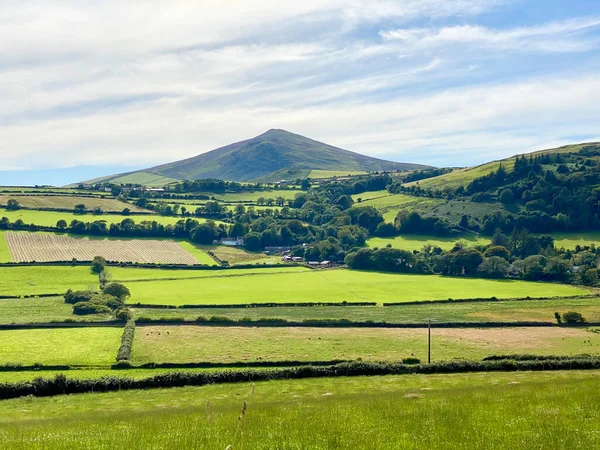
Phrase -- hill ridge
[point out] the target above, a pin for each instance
(273, 155)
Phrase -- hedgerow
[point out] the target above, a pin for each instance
(124, 353)
(60, 384)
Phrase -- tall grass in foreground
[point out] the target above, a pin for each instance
(474, 411)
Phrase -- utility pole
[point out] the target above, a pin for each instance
(429, 320)
(428, 341)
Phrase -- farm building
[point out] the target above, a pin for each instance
(237, 242)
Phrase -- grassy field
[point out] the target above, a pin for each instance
(571, 240)
(371, 195)
(129, 274)
(335, 286)
(5, 255)
(562, 410)
(236, 256)
(35, 310)
(316, 174)
(191, 343)
(390, 205)
(49, 218)
(77, 346)
(145, 179)
(416, 242)
(473, 312)
(33, 280)
(69, 202)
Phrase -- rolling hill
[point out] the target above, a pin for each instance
(462, 177)
(272, 156)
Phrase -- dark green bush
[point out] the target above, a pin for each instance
(85, 308)
(573, 317)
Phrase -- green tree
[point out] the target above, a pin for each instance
(80, 209)
(493, 267)
(117, 290)
(252, 242)
(13, 205)
(61, 224)
(98, 264)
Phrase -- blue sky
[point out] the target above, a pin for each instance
(87, 87)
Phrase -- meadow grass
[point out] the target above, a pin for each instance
(5, 255)
(129, 274)
(471, 312)
(69, 202)
(199, 254)
(190, 343)
(527, 411)
(571, 240)
(316, 174)
(416, 241)
(50, 218)
(370, 195)
(36, 310)
(237, 256)
(335, 286)
(35, 280)
(70, 346)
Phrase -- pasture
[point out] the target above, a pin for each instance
(409, 412)
(5, 255)
(571, 240)
(335, 286)
(191, 343)
(132, 274)
(50, 218)
(321, 174)
(236, 255)
(45, 247)
(74, 346)
(35, 280)
(407, 313)
(69, 202)
(413, 242)
(35, 310)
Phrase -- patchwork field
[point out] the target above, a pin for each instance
(416, 242)
(336, 286)
(42, 247)
(409, 412)
(78, 346)
(69, 202)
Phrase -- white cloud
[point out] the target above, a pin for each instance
(148, 82)
(561, 36)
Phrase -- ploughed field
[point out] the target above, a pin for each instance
(42, 247)
(528, 410)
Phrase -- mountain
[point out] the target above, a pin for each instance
(272, 156)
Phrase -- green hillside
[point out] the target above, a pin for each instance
(272, 156)
(462, 177)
